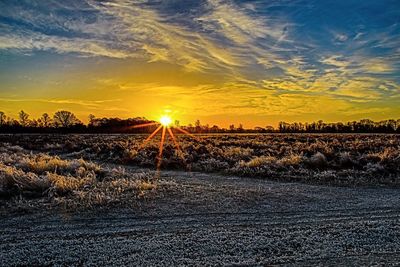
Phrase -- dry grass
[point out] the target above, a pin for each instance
(258, 162)
(345, 159)
(69, 183)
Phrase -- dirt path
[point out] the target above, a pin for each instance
(200, 219)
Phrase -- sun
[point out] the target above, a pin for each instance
(165, 120)
(164, 125)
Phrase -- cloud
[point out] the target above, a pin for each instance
(340, 37)
(377, 66)
(38, 42)
(336, 61)
(236, 24)
(225, 37)
(86, 103)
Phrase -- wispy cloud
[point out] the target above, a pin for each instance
(121, 29)
(87, 103)
(236, 23)
(28, 41)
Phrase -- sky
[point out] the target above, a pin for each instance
(250, 62)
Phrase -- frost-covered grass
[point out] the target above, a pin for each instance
(28, 179)
(341, 159)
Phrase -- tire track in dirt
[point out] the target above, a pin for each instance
(99, 230)
(252, 218)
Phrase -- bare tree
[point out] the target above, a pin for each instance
(197, 124)
(46, 120)
(65, 119)
(23, 118)
(2, 118)
(33, 123)
(91, 119)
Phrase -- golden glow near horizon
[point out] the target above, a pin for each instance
(165, 127)
(222, 62)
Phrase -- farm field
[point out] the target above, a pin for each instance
(291, 199)
(336, 159)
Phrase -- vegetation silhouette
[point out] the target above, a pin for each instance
(66, 122)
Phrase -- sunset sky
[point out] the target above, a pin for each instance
(250, 62)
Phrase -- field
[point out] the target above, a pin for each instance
(331, 159)
(302, 199)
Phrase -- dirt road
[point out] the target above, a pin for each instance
(200, 219)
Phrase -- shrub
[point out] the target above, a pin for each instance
(345, 160)
(318, 160)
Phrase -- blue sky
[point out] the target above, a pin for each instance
(252, 62)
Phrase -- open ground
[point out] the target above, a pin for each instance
(107, 212)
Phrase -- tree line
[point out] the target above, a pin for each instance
(362, 126)
(61, 118)
(66, 122)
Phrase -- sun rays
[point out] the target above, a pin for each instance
(165, 127)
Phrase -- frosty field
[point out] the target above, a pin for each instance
(337, 159)
(278, 199)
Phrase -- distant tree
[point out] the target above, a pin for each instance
(232, 127)
(214, 129)
(12, 122)
(45, 120)
(320, 125)
(23, 118)
(33, 123)
(197, 126)
(92, 119)
(283, 126)
(177, 123)
(269, 129)
(3, 118)
(206, 128)
(392, 125)
(65, 119)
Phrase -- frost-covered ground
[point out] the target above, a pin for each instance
(200, 219)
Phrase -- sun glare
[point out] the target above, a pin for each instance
(165, 120)
(164, 125)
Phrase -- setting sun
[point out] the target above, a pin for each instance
(165, 120)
